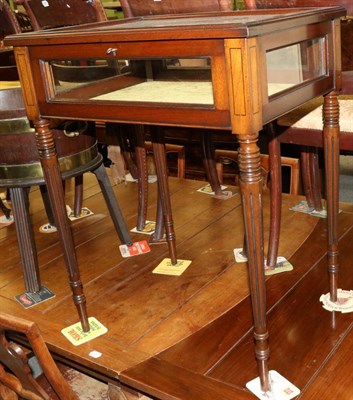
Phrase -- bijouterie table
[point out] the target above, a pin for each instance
(235, 71)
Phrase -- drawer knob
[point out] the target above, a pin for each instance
(112, 51)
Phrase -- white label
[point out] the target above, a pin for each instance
(95, 354)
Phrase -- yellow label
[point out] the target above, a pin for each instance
(149, 228)
(76, 336)
(167, 268)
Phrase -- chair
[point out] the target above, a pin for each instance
(289, 130)
(224, 156)
(20, 169)
(177, 149)
(15, 371)
(72, 12)
(67, 13)
(8, 25)
(28, 370)
(9, 21)
(62, 13)
(136, 8)
(32, 374)
(304, 126)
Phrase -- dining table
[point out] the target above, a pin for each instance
(234, 71)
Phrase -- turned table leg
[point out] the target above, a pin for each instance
(331, 148)
(251, 186)
(48, 158)
(163, 190)
(141, 162)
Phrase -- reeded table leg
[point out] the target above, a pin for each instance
(251, 186)
(48, 158)
(331, 148)
(141, 162)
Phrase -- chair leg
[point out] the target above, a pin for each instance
(78, 195)
(134, 154)
(160, 228)
(47, 206)
(310, 176)
(315, 179)
(276, 197)
(210, 163)
(163, 189)
(112, 204)
(25, 237)
(78, 199)
(141, 162)
(126, 151)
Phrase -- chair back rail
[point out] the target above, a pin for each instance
(346, 25)
(253, 4)
(8, 26)
(62, 12)
(8, 22)
(136, 8)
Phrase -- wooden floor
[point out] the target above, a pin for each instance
(190, 337)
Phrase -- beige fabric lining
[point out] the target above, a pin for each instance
(164, 92)
(309, 116)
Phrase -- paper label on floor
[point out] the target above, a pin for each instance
(28, 299)
(135, 249)
(207, 189)
(303, 207)
(167, 268)
(282, 265)
(129, 178)
(76, 336)
(5, 222)
(281, 388)
(85, 212)
(240, 255)
(344, 303)
(148, 229)
(47, 228)
(226, 194)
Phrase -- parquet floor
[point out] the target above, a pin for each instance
(189, 337)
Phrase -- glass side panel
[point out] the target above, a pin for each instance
(173, 80)
(296, 64)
